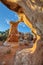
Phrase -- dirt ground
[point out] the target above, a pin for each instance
(7, 53)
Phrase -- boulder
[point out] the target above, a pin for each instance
(26, 57)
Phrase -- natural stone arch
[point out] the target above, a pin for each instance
(20, 9)
(33, 23)
(23, 13)
(20, 12)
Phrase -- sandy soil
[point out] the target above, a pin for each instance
(7, 53)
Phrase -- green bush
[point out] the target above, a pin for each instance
(4, 35)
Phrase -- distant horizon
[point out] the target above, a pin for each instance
(4, 30)
(6, 15)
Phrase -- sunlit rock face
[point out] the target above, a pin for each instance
(25, 57)
(34, 13)
(33, 10)
(13, 32)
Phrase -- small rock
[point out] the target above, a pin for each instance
(3, 63)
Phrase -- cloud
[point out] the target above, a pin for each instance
(7, 20)
(23, 25)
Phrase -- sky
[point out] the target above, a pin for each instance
(6, 15)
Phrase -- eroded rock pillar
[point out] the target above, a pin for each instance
(13, 32)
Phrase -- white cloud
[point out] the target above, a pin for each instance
(23, 25)
(7, 20)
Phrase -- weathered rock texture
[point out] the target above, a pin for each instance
(31, 12)
(13, 32)
(33, 9)
(26, 57)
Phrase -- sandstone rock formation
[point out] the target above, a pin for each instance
(13, 32)
(31, 12)
(16, 37)
(33, 9)
(26, 39)
(26, 57)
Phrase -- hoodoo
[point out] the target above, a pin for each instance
(13, 32)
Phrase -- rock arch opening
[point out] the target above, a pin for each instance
(25, 35)
(26, 20)
(34, 54)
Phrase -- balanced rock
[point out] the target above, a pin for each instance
(13, 32)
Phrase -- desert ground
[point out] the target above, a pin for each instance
(7, 53)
